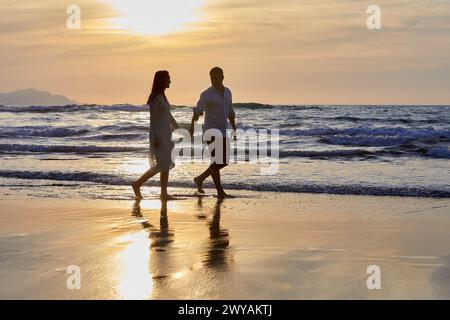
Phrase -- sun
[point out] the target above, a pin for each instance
(155, 17)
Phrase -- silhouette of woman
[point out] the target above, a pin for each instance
(161, 125)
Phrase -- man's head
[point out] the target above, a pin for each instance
(217, 77)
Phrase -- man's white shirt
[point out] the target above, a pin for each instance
(217, 108)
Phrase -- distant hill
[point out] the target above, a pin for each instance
(28, 97)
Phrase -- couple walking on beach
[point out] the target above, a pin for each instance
(216, 104)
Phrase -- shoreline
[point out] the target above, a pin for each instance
(186, 189)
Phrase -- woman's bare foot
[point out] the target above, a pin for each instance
(137, 190)
(199, 185)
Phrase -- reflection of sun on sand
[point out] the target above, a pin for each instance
(257, 246)
(135, 279)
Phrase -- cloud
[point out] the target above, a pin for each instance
(318, 46)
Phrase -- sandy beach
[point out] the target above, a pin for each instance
(259, 245)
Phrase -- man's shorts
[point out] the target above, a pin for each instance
(220, 154)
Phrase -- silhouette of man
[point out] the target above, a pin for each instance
(216, 103)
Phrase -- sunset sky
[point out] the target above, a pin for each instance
(280, 52)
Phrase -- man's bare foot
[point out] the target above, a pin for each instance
(137, 190)
(199, 185)
(223, 195)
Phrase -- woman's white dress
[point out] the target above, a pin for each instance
(160, 126)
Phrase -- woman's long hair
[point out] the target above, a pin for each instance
(159, 85)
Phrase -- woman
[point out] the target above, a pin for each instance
(161, 125)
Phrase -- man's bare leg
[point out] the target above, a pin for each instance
(199, 180)
(215, 174)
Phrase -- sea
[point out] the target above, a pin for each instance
(97, 151)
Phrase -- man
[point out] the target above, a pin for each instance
(216, 103)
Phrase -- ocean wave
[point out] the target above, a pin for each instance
(404, 150)
(41, 131)
(326, 154)
(117, 127)
(365, 141)
(439, 152)
(89, 149)
(65, 149)
(403, 132)
(396, 132)
(296, 120)
(384, 120)
(136, 128)
(353, 189)
(118, 137)
(389, 151)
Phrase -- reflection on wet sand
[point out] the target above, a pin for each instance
(160, 238)
(164, 236)
(151, 260)
(216, 254)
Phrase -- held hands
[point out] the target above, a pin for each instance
(234, 134)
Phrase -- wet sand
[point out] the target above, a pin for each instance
(254, 246)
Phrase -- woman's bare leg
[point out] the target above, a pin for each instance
(139, 182)
(164, 176)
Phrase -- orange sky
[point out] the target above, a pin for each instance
(285, 51)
